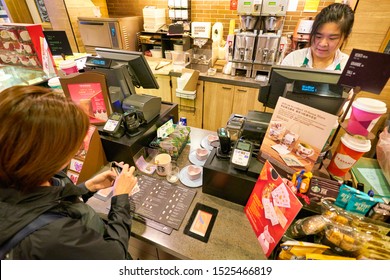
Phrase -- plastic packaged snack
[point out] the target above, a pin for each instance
(343, 240)
(297, 250)
(359, 222)
(380, 212)
(312, 256)
(345, 194)
(361, 204)
(308, 226)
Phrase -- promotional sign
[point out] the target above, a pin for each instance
(368, 70)
(296, 135)
(58, 42)
(271, 208)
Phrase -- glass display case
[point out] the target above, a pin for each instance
(19, 75)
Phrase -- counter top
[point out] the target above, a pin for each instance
(232, 237)
(217, 78)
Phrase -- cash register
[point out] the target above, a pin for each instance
(315, 88)
(124, 71)
(138, 115)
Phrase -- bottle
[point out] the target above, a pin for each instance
(183, 121)
(360, 187)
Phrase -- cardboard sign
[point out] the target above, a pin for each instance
(296, 135)
(368, 70)
(271, 208)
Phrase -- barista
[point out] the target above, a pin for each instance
(330, 29)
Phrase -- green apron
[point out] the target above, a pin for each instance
(306, 62)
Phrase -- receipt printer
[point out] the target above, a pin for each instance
(255, 126)
(147, 106)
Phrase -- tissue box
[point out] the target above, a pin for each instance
(174, 143)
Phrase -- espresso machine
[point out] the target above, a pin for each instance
(267, 48)
(268, 41)
(245, 40)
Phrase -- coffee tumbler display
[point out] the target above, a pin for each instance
(350, 150)
(365, 113)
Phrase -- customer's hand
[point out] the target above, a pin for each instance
(125, 181)
(101, 181)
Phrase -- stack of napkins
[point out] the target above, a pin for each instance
(187, 94)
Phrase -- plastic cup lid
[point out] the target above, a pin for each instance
(67, 64)
(370, 105)
(356, 142)
(54, 82)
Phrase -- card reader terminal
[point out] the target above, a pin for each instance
(242, 154)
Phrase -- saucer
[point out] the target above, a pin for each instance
(205, 144)
(194, 160)
(183, 176)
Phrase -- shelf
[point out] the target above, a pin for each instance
(154, 44)
(163, 40)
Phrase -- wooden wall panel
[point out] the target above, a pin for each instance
(60, 21)
(63, 16)
(18, 11)
(77, 8)
(372, 20)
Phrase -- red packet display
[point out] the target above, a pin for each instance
(271, 208)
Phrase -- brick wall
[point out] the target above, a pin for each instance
(292, 18)
(206, 10)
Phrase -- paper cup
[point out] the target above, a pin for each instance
(365, 113)
(68, 67)
(350, 149)
(163, 163)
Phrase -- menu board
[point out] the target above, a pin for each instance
(58, 42)
(162, 201)
(368, 70)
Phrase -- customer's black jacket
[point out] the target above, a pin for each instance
(81, 234)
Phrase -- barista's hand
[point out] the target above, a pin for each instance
(125, 181)
(101, 181)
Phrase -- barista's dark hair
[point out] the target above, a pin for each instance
(40, 132)
(340, 14)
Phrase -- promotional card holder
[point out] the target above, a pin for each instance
(365, 71)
